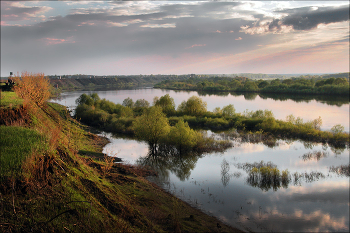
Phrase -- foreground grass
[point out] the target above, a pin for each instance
(63, 183)
(17, 143)
(10, 99)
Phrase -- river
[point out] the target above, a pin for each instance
(315, 197)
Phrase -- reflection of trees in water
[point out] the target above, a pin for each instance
(249, 137)
(315, 155)
(169, 160)
(267, 176)
(325, 99)
(337, 151)
(342, 170)
(225, 176)
(250, 95)
(272, 141)
(298, 98)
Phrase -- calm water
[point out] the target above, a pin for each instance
(219, 183)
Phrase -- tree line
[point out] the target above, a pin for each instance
(329, 86)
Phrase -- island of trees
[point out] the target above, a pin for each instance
(164, 124)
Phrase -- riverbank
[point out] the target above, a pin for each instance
(60, 181)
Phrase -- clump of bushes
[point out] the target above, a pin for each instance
(119, 118)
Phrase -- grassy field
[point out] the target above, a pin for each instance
(9, 99)
(54, 178)
(17, 143)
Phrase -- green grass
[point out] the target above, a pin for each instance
(10, 99)
(64, 190)
(17, 143)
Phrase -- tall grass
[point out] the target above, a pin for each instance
(17, 144)
(10, 99)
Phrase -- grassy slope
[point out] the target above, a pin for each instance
(60, 184)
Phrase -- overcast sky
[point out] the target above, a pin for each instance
(174, 37)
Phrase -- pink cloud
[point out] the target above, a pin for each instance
(3, 23)
(239, 38)
(54, 41)
(196, 45)
(18, 11)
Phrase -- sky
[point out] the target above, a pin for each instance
(174, 37)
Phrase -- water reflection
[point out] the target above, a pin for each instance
(169, 160)
(325, 99)
(342, 170)
(250, 95)
(266, 176)
(315, 155)
(225, 185)
(249, 137)
(298, 221)
(225, 176)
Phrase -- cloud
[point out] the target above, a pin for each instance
(134, 30)
(305, 18)
(166, 25)
(196, 45)
(16, 11)
(54, 41)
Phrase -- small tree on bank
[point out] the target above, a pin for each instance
(182, 136)
(33, 88)
(152, 126)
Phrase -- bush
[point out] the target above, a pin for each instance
(33, 88)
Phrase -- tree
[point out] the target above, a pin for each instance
(33, 88)
(166, 103)
(141, 103)
(193, 106)
(217, 110)
(317, 123)
(152, 126)
(84, 99)
(250, 86)
(182, 136)
(128, 102)
(263, 84)
(337, 129)
(95, 97)
(228, 111)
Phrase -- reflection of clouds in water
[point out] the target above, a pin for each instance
(129, 150)
(327, 191)
(245, 148)
(336, 196)
(311, 164)
(284, 146)
(319, 187)
(298, 221)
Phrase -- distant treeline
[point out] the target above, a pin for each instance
(319, 85)
(121, 118)
(80, 81)
(85, 82)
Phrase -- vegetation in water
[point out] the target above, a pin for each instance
(127, 118)
(266, 176)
